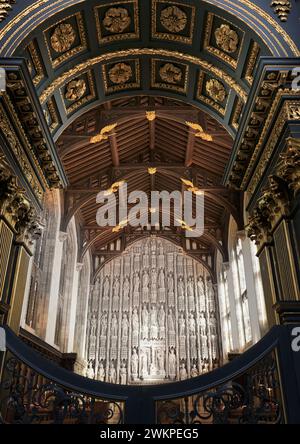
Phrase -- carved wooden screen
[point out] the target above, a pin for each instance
(152, 317)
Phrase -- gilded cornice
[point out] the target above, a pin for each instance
(9, 134)
(61, 80)
(272, 105)
(28, 123)
(283, 117)
(277, 198)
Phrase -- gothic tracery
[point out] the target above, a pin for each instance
(153, 317)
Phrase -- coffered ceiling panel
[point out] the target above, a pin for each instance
(96, 51)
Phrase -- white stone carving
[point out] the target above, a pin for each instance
(152, 317)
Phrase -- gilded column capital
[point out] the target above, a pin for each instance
(276, 199)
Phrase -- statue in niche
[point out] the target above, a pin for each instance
(172, 363)
(192, 325)
(143, 363)
(210, 295)
(145, 280)
(153, 246)
(146, 260)
(153, 324)
(93, 325)
(202, 324)
(145, 322)
(213, 324)
(200, 286)
(193, 346)
(204, 347)
(214, 346)
(90, 371)
(135, 321)
(205, 366)
(161, 362)
(181, 325)
(182, 372)
(134, 363)
(116, 287)
(114, 325)
(153, 276)
(162, 322)
(180, 288)
(123, 374)
(125, 325)
(161, 248)
(161, 279)
(153, 259)
(190, 288)
(191, 302)
(112, 376)
(136, 283)
(194, 371)
(171, 325)
(116, 297)
(104, 325)
(106, 287)
(101, 372)
(126, 288)
(170, 283)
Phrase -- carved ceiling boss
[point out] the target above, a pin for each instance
(75, 89)
(173, 19)
(63, 37)
(226, 38)
(120, 73)
(216, 90)
(116, 20)
(170, 73)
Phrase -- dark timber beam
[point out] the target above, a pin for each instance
(114, 149)
(190, 148)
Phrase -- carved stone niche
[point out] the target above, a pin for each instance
(147, 322)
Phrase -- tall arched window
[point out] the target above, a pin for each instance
(66, 289)
(241, 295)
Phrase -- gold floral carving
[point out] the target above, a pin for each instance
(120, 73)
(116, 20)
(170, 73)
(75, 89)
(254, 52)
(173, 19)
(183, 57)
(282, 8)
(216, 90)
(35, 63)
(5, 8)
(21, 21)
(63, 37)
(227, 39)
